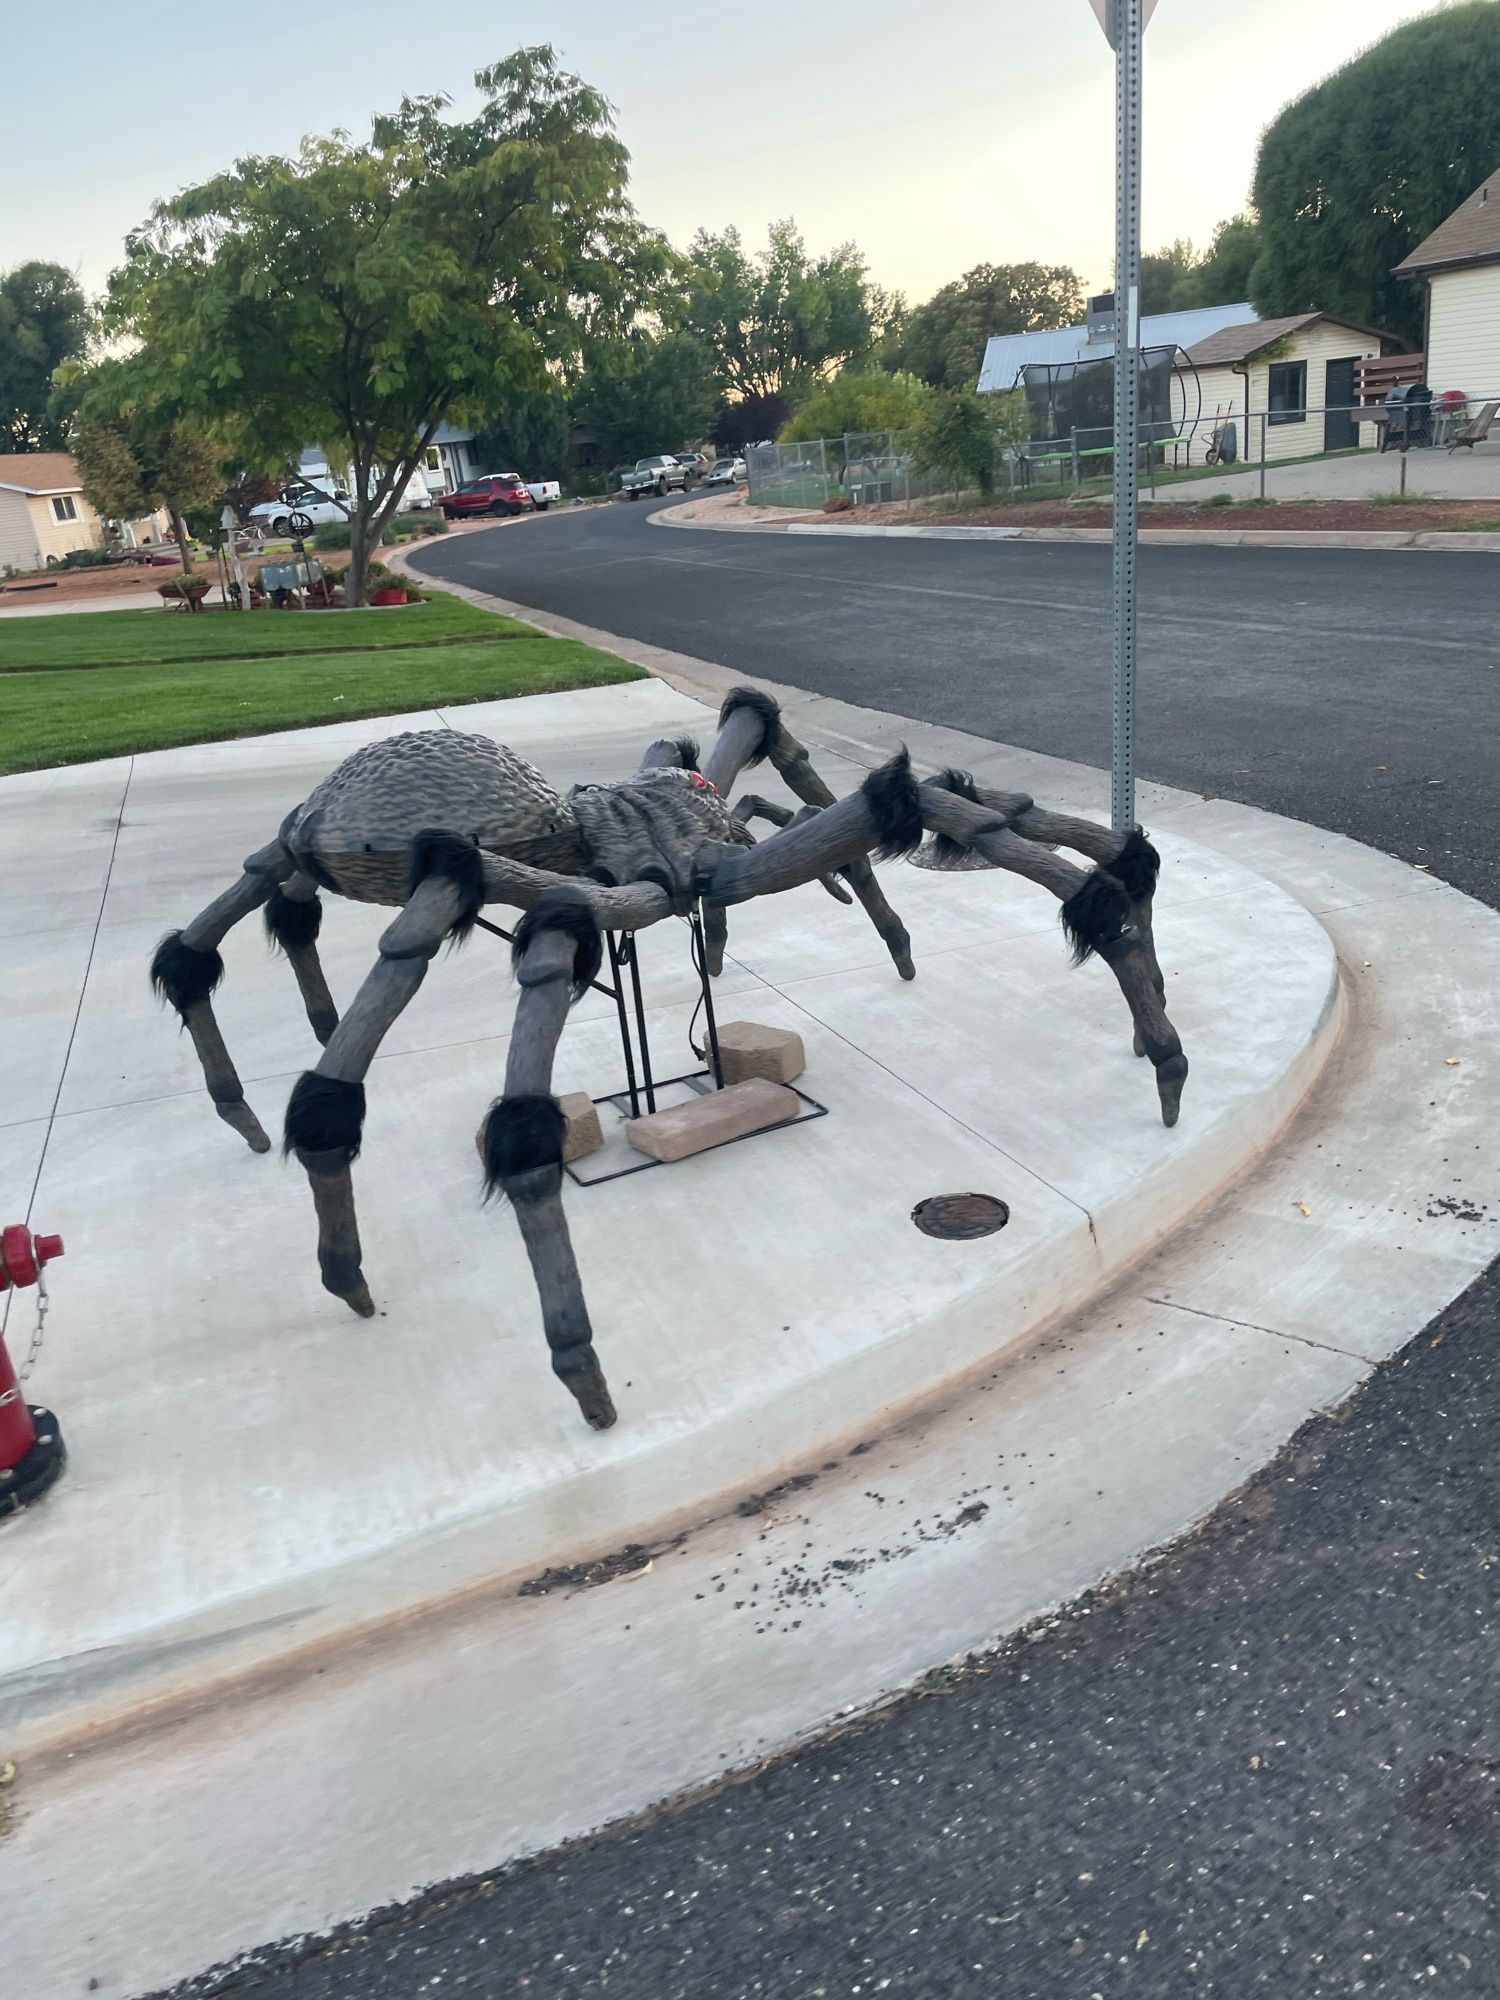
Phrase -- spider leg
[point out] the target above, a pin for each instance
(890, 812)
(187, 967)
(715, 923)
(294, 916)
(1099, 912)
(751, 728)
(1128, 856)
(326, 1111)
(883, 816)
(750, 805)
(753, 806)
(631, 906)
(557, 952)
(673, 753)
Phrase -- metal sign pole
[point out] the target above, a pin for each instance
(1128, 23)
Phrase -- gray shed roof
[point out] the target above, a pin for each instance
(1471, 235)
(1233, 344)
(1006, 354)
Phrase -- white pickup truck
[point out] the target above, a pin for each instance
(543, 493)
(656, 475)
(275, 516)
(323, 501)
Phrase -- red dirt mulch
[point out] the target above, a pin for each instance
(1282, 517)
(79, 586)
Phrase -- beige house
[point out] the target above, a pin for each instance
(1299, 373)
(43, 514)
(1461, 262)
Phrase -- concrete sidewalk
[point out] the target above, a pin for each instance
(259, 1481)
(198, 1361)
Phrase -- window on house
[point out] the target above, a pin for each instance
(63, 507)
(1286, 392)
(434, 459)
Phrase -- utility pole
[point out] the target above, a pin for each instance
(1124, 22)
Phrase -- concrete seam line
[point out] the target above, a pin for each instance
(1254, 1326)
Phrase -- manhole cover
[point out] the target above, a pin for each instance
(960, 1216)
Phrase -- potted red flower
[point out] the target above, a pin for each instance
(384, 586)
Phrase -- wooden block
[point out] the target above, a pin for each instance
(707, 1121)
(584, 1134)
(747, 1049)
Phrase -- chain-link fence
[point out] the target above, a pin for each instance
(866, 468)
(788, 475)
(1383, 454)
(1386, 454)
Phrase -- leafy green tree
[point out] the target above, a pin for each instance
(1355, 172)
(532, 436)
(648, 393)
(1167, 277)
(1222, 274)
(135, 455)
(859, 401)
(43, 323)
(357, 295)
(943, 340)
(745, 420)
(956, 435)
(780, 321)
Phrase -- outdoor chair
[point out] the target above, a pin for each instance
(1476, 431)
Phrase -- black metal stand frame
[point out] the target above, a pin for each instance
(623, 958)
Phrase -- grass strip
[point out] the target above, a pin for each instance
(60, 718)
(154, 638)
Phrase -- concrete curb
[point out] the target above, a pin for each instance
(1483, 542)
(130, 1867)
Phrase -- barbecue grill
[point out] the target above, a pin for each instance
(1408, 416)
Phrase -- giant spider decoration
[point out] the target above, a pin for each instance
(440, 824)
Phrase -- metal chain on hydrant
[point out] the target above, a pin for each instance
(39, 1331)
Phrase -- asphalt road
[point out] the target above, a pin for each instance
(1354, 689)
(1269, 1764)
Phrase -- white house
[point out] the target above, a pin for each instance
(313, 468)
(1300, 373)
(451, 459)
(1226, 366)
(44, 516)
(1460, 261)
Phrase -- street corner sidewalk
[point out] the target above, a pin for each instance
(847, 1450)
(172, 1417)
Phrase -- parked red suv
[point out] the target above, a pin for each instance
(498, 493)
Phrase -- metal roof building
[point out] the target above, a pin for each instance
(1006, 354)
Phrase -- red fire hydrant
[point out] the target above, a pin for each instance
(32, 1454)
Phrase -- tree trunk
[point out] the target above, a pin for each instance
(184, 540)
(357, 574)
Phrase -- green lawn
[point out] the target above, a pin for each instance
(142, 638)
(63, 717)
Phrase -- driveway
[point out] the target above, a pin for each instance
(1460, 475)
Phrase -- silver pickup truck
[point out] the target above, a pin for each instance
(656, 475)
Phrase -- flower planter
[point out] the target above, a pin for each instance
(387, 596)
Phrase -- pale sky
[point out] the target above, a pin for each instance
(937, 134)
